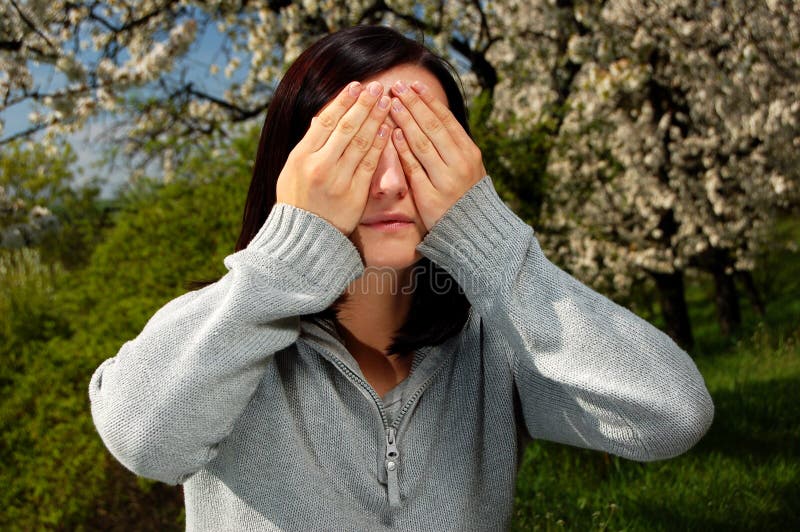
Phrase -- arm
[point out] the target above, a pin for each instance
(171, 394)
(589, 372)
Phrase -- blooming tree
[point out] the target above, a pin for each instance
(32, 181)
(674, 124)
(131, 59)
(678, 144)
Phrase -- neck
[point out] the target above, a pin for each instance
(375, 307)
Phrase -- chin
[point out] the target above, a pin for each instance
(396, 261)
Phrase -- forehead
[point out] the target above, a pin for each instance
(409, 73)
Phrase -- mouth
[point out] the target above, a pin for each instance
(389, 225)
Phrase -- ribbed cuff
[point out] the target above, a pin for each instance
(311, 244)
(469, 234)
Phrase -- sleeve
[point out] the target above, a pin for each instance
(170, 395)
(589, 372)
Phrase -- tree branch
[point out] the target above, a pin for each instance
(240, 113)
(31, 24)
(23, 134)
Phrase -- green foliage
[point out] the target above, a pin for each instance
(26, 304)
(32, 175)
(58, 326)
(83, 218)
(743, 475)
(36, 175)
(517, 163)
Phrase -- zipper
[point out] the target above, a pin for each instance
(364, 385)
(391, 463)
(392, 457)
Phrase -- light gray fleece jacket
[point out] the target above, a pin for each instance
(268, 423)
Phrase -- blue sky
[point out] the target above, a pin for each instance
(87, 142)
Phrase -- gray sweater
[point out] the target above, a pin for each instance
(269, 424)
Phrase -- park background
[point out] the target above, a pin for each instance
(653, 146)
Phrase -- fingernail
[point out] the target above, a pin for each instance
(383, 103)
(383, 130)
(400, 86)
(396, 105)
(419, 87)
(375, 88)
(398, 134)
(355, 88)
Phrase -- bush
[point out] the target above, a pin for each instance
(59, 325)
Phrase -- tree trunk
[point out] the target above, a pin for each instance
(673, 307)
(727, 300)
(752, 292)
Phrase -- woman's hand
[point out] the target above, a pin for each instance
(438, 156)
(329, 171)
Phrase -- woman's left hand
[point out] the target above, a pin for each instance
(439, 158)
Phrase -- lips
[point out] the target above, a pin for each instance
(386, 217)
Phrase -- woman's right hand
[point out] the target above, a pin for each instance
(330, 170)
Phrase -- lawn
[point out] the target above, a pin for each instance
(743, 475)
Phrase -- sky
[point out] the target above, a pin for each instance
(88, 142)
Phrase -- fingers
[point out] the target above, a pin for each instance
(362, 175)
(325, 122)
(451, 124)
(420, 144)
(431, 115)
(349, 127)
(364, 140)
(417, 177)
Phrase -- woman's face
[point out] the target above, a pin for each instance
(395, 247)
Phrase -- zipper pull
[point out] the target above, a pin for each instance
(391, 463)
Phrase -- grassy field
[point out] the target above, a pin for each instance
(743, 475)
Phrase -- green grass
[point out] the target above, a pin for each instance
(743, 475)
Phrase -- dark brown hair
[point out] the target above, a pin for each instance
(439, 308)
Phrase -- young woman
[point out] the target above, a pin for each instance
(388, 335)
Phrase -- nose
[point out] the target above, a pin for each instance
(389, 178)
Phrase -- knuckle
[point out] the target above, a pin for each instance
(360, 143)
(368, 164)
(324, 120)
(344, 103)
(432, 124)
(315, 167)
(314, 171)
(476, 153)
(347, 126)
(411, 98)
(422, 146)
(450, 121)
(366, 100)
